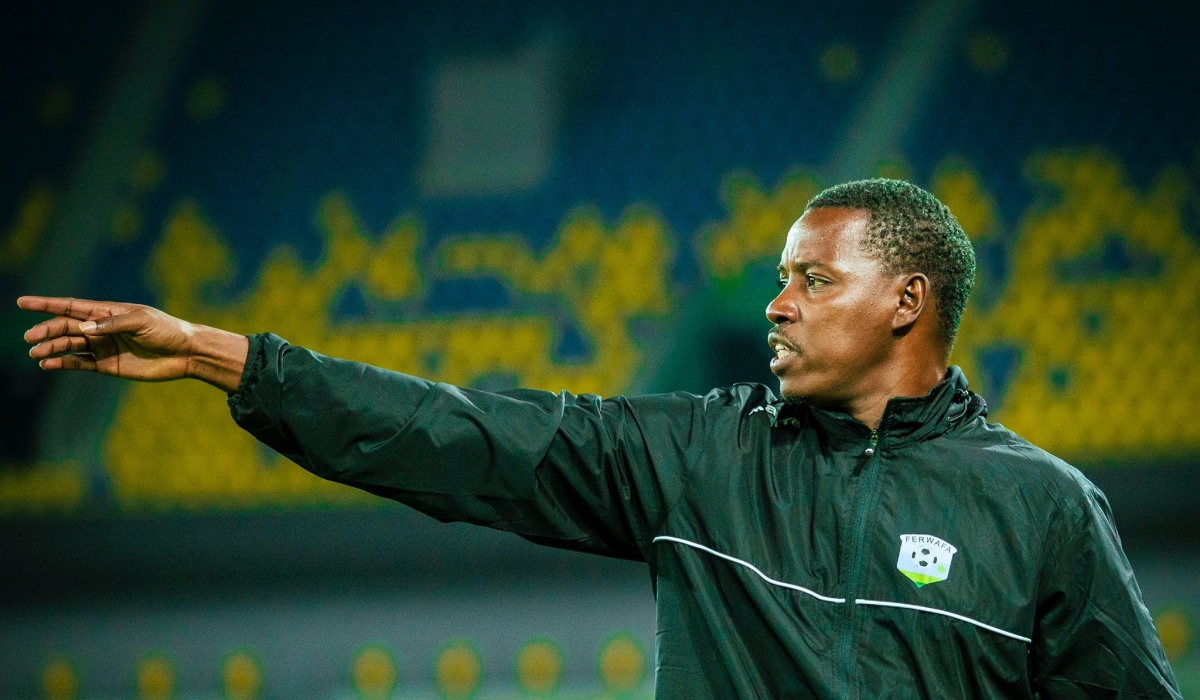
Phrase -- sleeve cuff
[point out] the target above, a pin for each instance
(256, 403)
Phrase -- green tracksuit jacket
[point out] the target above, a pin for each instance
(794, 552)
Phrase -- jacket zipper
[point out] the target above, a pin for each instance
(854, 574)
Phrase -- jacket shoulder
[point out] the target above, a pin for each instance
(743, 397)
(721, 409)
(1041, 474)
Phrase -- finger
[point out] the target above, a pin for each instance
(123, 323)
(66, 343)
(84, 362)
(55, 327)
(81, 309)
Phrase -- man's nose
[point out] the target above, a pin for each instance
(782, 310)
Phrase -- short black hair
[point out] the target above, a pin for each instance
(911, 231)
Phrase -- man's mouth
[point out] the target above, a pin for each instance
(783, 349)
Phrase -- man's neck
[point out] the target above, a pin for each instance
(895, 380)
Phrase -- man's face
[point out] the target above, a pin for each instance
(833, 316)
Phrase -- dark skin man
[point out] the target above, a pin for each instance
(867, 533)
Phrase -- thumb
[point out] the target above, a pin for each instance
(121, 323)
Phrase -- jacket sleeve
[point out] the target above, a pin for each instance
(1094, 636)
(569, 471)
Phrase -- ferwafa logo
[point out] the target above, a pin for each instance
(925, 558)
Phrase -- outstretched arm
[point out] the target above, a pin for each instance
(578, 472)
(132, 341)
(569, 471)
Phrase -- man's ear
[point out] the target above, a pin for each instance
(911, 299)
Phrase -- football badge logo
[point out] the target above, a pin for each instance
(925, 558)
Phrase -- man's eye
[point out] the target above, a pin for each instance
(782, 282)
(814, 282)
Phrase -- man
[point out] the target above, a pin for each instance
(868, 535)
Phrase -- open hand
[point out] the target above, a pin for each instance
(133, 341)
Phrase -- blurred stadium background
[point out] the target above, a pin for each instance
(582, 196)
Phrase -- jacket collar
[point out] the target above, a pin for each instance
(905, 418)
